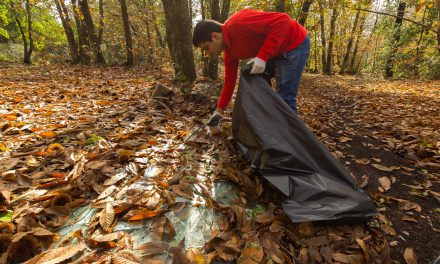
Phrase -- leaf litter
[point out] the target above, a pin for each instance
(98, 169)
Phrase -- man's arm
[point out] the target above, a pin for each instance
(231, 69)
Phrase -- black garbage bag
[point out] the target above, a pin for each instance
(281, 147)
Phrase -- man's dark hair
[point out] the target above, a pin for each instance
(204, 29)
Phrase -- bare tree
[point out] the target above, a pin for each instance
(127, 33)
(329, 60)
(394, 42)
(351, 39)
(304, 11)
(65, 21)
(90, 30)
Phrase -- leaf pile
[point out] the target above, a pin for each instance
(133, 150)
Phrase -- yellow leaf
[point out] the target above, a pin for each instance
(10, 117)
(48, 134)
(3, 148)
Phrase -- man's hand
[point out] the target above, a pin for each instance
(258, 65)
(215, 118)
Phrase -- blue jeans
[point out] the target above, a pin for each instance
(287, 69)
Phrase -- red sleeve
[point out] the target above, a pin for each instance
(277, 28)
(231, 69)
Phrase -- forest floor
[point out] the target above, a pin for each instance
(96, 166)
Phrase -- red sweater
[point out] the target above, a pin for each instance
(250, 33)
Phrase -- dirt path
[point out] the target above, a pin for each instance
(364, 124)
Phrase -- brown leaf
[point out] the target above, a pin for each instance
(410, 257)
(305, 229)
(61, 254)
(384, 168)
(107, 216)
(127, 257)
(388, 229)
(385, 183)
(195, 256)
(179, 256)
(153, 247)
(409, 218)
(407, 205)
(108, 237)
(272, 247)
(348, 259)
(345, 139)
(252, 254)
(364, 161)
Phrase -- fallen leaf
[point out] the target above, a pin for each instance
(253, 253)
(108, 237)
(48, 134)
(348, 259)
(388, 229)
(345, 139)
(61, 254)
(3, 148)
(409, 218)
(107, 216)
(153, 247)
(364, 161)
(410, 257)
(407, 205)
(142, 214)
(385, 183)
(384, 168)
(195, 256)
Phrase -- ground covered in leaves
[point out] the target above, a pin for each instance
(107, 165)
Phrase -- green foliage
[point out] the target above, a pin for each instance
(258, 209)
(92, 141)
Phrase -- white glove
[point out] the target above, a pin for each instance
(258, 65)
(215, 119)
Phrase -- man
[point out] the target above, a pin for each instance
(272, 41)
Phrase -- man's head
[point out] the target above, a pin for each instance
(209, 37)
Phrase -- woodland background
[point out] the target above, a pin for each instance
(383, 38)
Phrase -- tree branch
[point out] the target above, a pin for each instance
(406, 19)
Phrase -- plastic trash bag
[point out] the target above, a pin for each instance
(278, 143)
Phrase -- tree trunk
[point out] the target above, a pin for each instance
(422, 31)
(156, 27)
(356, 45)
(210, 68)
(90, 29)
(83, 41)
(396, 38)
(101, 21)
(71, 42)
(127, 32)
(202, 9)
(438, 26)
(350, 42)
(179, 37)
(224, 14)
(280, 6)
(21, 29)
(323, 42)
(28, 54)
(304, 11)
(329, 61)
